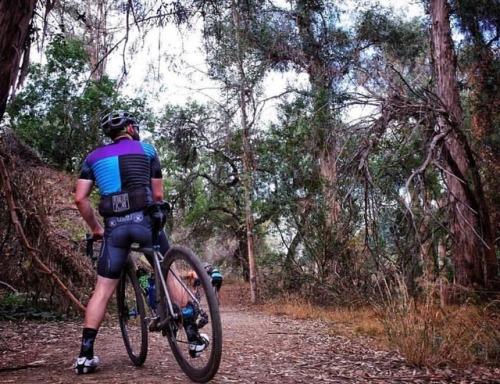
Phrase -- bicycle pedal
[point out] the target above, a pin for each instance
(203, 320)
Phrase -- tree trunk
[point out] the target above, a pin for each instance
(472, 245)
(97, 41)
(15, 20)
(485, 114)
(321, 80)
(247, 159)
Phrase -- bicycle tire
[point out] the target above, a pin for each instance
(203, 368)
(132, 316)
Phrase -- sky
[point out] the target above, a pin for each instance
(180, 71)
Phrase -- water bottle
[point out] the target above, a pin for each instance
(151, 292)
(143, 277)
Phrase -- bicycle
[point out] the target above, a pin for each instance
(170, 282)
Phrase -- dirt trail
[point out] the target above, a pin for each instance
(258, 348)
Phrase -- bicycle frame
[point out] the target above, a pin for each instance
(161, 284)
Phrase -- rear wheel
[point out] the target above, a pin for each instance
(216, 291)
(132, 316)
(178, 263)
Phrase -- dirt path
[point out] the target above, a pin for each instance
(258, 348)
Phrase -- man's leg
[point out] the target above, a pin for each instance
(94, 315)
(96, 308)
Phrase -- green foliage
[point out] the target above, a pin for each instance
(201, 168)
(15, 307)
(58, 112)
(478, 19)
(396, 36)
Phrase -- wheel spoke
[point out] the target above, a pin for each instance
(191, 336)
(132, 316)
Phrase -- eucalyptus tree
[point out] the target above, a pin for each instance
(391, 143)
(90, 22)
(15, 22)
(443, 189)
(202, 159)
(309, 38)
(240, 68)
(473, 244)
(478, 57)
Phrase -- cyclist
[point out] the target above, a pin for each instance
(128, 175)
(216, 276)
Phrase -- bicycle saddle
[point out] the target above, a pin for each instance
(162, 206)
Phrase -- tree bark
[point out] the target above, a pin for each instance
(247, 160)
(485, 114)
(97, 40)
(15, 20)
(472, 247)
(321, 78)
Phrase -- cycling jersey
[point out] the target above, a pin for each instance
(216, 274)
(123, 171)
(216, 278)
(123, 165)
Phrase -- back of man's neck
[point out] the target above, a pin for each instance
(123, 136)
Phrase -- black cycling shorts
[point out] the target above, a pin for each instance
(217, 282)
(119, 234)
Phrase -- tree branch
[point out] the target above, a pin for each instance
(32, 252)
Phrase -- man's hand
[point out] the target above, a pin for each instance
(98, 232)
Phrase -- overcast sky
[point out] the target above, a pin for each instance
(176, 60)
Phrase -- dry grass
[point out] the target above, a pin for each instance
(424, 333)
(349, 322)
(428, 335)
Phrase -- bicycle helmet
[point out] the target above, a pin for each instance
(116, 122)
(208, 267)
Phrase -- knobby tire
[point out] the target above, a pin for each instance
(203, 368)
(132, 315)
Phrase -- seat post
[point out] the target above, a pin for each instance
(158, 220)
(157, 211)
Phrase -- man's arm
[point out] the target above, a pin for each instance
(82, 193)
(157, 189)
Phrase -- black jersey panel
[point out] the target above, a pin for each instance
(135, 171)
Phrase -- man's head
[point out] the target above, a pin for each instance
(208, 267)
(119, 123)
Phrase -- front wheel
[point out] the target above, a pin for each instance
(178, 264)
(132, 316)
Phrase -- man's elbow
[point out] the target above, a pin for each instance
(80, 200)
(157, 196)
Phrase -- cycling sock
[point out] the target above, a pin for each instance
(88, 338)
